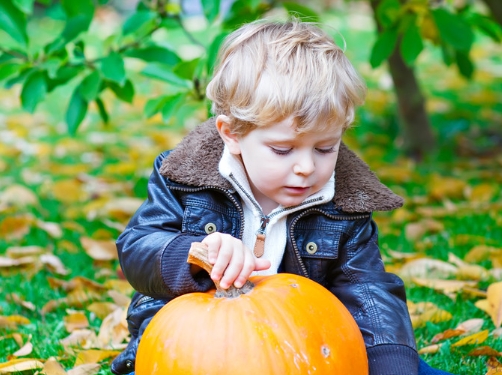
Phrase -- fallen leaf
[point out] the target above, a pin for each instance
(492, 305)
(26, 349)
(16, 252)
(75, 320)
(99, 249)
(474, 339)
(18, 196)
(113, 330)
(441, 188)
(471, 325)
(445, 286)
(415, 231)
(53, 367)
(494, 366)
(481, 193)
(121, 286)
(102, 309)
(448, 334)
(86, 369)
(53, 229)
(431, 349)
(479, 253)
(18, 300)
(83, 338)
(20, 365)
(484, 351)
(95, 356)
(427, 268)
(497, 333)
(15, 227)
(54, 264)
(12, 321)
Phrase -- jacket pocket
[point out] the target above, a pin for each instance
(201, 218)
(319, 251)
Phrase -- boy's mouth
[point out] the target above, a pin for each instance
(297, 189)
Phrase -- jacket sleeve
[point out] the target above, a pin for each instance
(153, 250)
(377, 301)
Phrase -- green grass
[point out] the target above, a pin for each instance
(132, 141)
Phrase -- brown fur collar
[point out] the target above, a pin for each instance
(195, 162)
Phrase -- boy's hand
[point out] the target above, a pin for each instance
(232, 261)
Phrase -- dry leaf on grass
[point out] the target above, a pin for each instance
(75, 320)
(20, 365)
(484, 351)
(53, 367)
(427, 268)
(86, 369)
(99, 249)
(494, 366)
(492, 305)
(474, 339)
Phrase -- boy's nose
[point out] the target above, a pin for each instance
(304, 166)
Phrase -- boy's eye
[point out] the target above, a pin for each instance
(280, 151)
(326, 150)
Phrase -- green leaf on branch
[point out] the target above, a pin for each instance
(76, 112)
(464, 63)
(411, 44)
(162, 72)
(137, 20)
(25, 6)
(388, 12)
(90, 86)
(303, 12)
(211, 9)
(383, 47)
(22, 75)
(34, 91)
(487, 26)
(13, 22)
(103, 113)
(153, 106)
(453, 29)
(125, 92)
(448, 54)
(79, 16)
(172, 105)
(112, 68)
(7, 69)
(63, 75)
(154, 54)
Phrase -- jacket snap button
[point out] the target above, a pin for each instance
(210, 228)
(129, 364)
(311, 247)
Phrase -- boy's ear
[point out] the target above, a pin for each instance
(231, 139)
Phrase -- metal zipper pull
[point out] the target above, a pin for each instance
(259, 245)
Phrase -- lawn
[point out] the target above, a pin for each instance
(64, 200)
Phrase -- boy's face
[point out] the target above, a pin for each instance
(284, 167)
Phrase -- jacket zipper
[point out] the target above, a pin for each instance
(142, 300)
(334, 217)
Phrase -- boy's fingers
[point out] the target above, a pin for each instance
(224, 257)
(262, 264)
(246, 269)
(233, 269)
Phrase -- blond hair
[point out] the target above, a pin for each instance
(269, 71)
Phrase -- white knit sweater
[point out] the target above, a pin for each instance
(233, 170)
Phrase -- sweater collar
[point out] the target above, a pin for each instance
(196, 159)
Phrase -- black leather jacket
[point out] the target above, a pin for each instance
(187, 199)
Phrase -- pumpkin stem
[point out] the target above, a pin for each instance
(197, 255)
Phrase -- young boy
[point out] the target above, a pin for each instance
(269, 187)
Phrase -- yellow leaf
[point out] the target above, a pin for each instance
(53, 367)
(441, 188)
(26, 349)
(85, 369)
(494, 297)
(415, 231)
(99, 249)
(475, 338)
(15, 227)
(482, 193)
(479, 253)
(24, 251)
(445, 286)
(431, 349)
(18, 196)
(83, 338)
(427, 268)
(95, 356)
(69, 191)
(448, 334)
(54, 264)
(18, 300)
(121, 286)
(102, 309)
(19, 365)
(74, 321)
(494, 366)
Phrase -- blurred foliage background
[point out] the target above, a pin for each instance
(92, 91)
